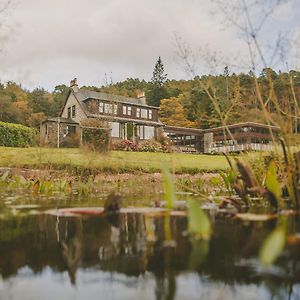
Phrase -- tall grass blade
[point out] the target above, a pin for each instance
(169, 187)
(272, 183)
(198, 222)
(273, 246)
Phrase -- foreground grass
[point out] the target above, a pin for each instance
(112, 162)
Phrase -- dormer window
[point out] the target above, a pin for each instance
(138, 112)
(144, 113)
(108, 108)
(101, 107)
(115, 109)
(127, 110)
(69, 112)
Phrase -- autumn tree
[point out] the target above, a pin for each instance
(172, 113)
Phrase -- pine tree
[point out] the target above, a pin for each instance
(157, 90)
(159, 77)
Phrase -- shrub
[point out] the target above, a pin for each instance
(95, 138)
(125, 145)
(70, 141)
(151, 146)
(16, 135)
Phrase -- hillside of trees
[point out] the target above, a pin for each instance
(201, 102)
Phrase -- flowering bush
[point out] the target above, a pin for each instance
(151, 146)
(125, 145)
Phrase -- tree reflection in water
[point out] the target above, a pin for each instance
(133, 244)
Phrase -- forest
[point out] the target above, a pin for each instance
(201, 102)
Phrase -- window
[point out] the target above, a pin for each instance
(144, 113)
(73, 111)
(115, 129)
(71, 129)
(127, 110)
(101, 107)
(69, 112)
(149, 132)
(115, 109)
(108, 108)
(138, 112)
(150, 114)
(141, 132)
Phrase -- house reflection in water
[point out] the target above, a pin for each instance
(132, 249)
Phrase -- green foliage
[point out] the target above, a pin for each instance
(159, 77)
(15, 135)
(273, 245)
(157, 90)
(169, 186)
(198, 222)
(228, 179)
(272, 183)
(234, 96)
(95, 138)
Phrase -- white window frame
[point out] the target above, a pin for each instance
(144, 113)
(108, 108)
(115, 109)
(127, 110)
(150, 114)
(101, 107)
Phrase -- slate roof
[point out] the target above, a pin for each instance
(83, 95)
(254, 124)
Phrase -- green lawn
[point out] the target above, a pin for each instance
(114, 161)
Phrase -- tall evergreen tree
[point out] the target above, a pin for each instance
(159, 77)
(157, 89)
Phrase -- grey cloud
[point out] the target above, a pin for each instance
(59, 39)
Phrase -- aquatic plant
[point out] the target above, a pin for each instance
(198, 222)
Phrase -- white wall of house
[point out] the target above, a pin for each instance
(79, 113)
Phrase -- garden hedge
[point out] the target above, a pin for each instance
(16, 135)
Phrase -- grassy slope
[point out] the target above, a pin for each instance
(115, 161)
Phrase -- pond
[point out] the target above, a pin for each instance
(44, 255)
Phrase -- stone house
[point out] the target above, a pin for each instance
(124, 117)
(131, 118)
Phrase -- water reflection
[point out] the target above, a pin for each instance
(125, 257)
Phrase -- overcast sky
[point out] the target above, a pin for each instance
(53, 41)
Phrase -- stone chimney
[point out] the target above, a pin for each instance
(74, 85)
(141, 96)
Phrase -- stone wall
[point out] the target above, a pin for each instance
(66, 138)
(80, 114)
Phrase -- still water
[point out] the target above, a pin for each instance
(44, 256)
